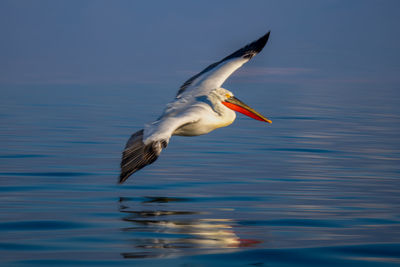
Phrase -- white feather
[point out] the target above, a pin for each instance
(214, 78)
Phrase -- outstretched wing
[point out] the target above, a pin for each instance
(137, 155)
(215, 75)
(144, 146)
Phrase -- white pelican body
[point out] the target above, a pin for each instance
(190, 116)
(200, 107)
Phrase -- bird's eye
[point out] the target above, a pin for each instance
(228, 95)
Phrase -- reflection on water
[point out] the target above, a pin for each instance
(158, 233)
(319, 186)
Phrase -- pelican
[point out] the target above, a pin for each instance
(200, 107)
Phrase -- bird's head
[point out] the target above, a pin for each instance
(230, 101)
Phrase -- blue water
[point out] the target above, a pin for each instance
(319, 186)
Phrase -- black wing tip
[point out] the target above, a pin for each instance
(263, 40)
(138, 155)
(123, 177)
(251, 49)
(125, 174)
(259, 44)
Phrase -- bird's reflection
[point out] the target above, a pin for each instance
(157, 231)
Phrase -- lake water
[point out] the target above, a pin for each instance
(319, 186)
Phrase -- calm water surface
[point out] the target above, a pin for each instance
(319, 186)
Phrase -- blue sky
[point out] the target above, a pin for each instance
(337, 42)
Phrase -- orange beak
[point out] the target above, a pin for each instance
(237, 105)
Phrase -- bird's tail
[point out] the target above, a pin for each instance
(136, 154)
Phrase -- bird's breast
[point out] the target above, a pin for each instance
(206, 124)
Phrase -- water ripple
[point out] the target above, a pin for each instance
(50, 174)
(39, 225)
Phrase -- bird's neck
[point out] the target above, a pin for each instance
(226, 115)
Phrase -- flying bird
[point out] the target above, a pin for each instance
(200, 107)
